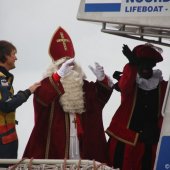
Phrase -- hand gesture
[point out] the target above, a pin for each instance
(129, 55)
(98, 71)
(66, 67)
(33, 87)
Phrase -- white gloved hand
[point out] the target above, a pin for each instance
(66, 67)
(98, 71)
(110, 81)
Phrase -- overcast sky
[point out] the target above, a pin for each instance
(30, 24)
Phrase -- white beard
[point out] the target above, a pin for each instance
(53, 67)
(72, 100)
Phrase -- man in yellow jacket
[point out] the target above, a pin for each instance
(9, 102)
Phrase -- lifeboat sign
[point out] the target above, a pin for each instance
(130, 7)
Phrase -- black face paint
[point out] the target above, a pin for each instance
(145, 68)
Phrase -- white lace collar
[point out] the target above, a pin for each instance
(152, 83)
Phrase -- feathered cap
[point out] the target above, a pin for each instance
(148, 51)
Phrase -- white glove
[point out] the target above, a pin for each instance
(98, 71)
(66, 67)
(110, 82)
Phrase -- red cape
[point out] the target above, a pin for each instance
(52, 141)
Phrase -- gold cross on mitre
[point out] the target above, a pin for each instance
(63, 40)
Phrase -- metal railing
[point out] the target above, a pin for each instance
(52, 164)
(149, 34)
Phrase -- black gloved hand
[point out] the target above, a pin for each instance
(129, 55)
(117, 75)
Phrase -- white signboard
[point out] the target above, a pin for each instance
(139, 12)
(166, 112)
(163, 151)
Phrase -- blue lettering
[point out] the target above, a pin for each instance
(160, 8)
(134, 8)
(127, 1)
(139, 1)
(139, 9)
(126, 9)
(150, 8)
(155, 9)
(144, 9)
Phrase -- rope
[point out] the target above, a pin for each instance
(94, 165)
(20, 162)
(64, 164)
(16, 165)
(79, 164)
(29, 164)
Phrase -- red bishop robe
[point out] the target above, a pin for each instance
(50, 136)
(119, 130)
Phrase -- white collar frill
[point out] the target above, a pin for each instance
(151, 83)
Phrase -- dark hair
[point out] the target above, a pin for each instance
(5, 50)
